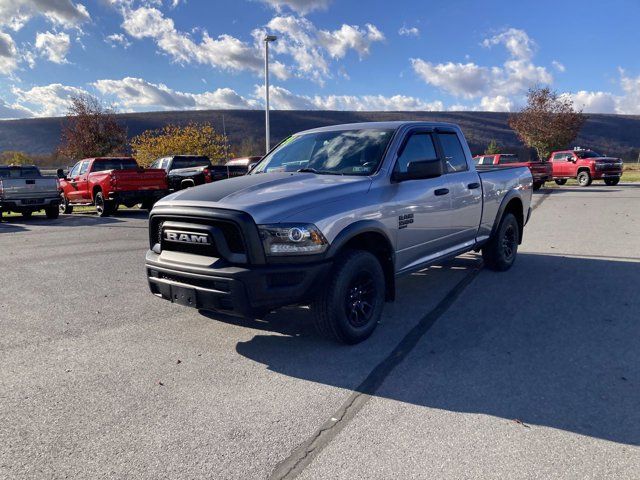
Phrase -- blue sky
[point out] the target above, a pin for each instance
(146, 55)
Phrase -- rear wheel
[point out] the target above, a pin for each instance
(611, 181)
(349, 308)
(560, 181)
(65, 207)
(500, 251)
(147, 205)
(103, 207)
(52, 211)
(584, 178)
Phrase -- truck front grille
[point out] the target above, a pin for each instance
(231, 236)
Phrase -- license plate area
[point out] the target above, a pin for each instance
(184, 296)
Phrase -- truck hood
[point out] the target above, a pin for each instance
(270, 197)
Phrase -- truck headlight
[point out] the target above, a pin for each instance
(292, 239)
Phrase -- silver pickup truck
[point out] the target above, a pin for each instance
(23, 189)
(329, 218)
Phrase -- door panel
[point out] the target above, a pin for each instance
(464, 189)
(82, 183)
(422, 214)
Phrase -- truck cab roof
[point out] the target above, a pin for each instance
(393, 125)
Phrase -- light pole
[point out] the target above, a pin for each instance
(267, 39)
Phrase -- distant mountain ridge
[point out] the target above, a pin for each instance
(616, 135)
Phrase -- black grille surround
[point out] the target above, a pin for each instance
(234, 234)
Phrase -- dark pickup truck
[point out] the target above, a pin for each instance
(184, 171)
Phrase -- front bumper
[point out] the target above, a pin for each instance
(248, 291)
(137, 196)
(600, 175)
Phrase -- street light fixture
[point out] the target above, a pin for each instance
(267, 40)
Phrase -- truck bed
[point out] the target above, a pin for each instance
(496, 180)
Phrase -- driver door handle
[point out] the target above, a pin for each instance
(441, 191)
(473, 186)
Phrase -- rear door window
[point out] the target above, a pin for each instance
(455, 159)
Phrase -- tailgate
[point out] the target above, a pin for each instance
(151, 179)
(25, 188)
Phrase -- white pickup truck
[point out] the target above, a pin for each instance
(329, 218)
(25, 190)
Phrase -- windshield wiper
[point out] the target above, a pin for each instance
(318, 172)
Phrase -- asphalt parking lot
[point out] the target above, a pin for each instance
(532, 373)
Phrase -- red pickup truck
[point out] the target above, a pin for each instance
(107, 182)
(585, 166)
(540, 171)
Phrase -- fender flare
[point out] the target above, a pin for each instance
(511, 194)
(357, 228)
(369, 226)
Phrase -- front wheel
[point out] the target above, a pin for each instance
(349, 308)
(500, 251)
(584, 178)
(611, 181)
(560, 181)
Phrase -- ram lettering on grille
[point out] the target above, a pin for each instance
(183, 237)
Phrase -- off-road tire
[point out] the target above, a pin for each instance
(611, 181)
(584, 178)
(356, 280)
(560, 181)
(52, 212)
(500, 252)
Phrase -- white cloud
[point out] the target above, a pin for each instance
(283, 99)
(116, 39)
(469, 80)
(409, 32)
(300, 6)
(8, 112)
(136, 93)
(15, 13)
(516, 41)
(308, 45)
(48, 100)
(53, 46)
(594, 102)
(499, 103)
(8, 54)
(629, 104)
(225, 52)
(558, 66)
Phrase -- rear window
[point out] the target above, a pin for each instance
(19, 172)
(509, 159)
(114, 164)
(186, 162)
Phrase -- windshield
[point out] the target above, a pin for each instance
(342, 152)
(19, 172)
(587, 154)
(186, 162)
(115, 164)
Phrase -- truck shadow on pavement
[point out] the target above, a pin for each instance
(553, 342)
(20, 224)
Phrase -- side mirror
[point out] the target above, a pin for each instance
(60, 173)
(419, 170)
